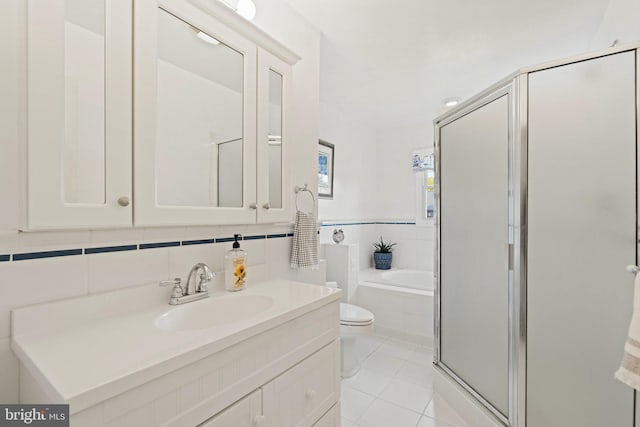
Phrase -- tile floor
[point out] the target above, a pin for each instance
(394, 389)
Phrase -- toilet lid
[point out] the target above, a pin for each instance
(354, 315)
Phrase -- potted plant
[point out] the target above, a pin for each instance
(382, 254)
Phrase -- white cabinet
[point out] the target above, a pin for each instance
(274, 138)
(78, 155)
(301, 395)
(247, 412)
(305, 395)
(183, 121)
(286, 375)
(211, 125)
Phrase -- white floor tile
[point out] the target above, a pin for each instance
(440, 410)
(384, 414)
(390, 391)
(430, 422)
(354, 403)
(415, 373)
(375, 341)
(421, 356)
(399, 349)
(407, 395)
(368, 382)
(383, 364)
(346, 423)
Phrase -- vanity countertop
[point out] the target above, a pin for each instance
(85, 350)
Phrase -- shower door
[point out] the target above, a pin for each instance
(582, 234)
(472, 272)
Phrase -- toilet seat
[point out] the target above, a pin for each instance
(352, 315)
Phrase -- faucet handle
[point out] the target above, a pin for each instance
(205, 277)
(175, 282)
(177, 293)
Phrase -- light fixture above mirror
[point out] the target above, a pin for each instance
(451, 101)
(244, 8)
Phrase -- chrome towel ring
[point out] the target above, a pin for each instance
(297, 189)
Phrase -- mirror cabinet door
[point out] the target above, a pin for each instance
(194, 110)
(274, 192)
(274, 140)
(199, 109)
(79, 97)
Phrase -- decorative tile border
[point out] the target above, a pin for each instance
(197, 242)
(46, 254)
(89, 251)
(254, 237)
(133, 247)
(343, 224)
(225, 239)
(158, 245)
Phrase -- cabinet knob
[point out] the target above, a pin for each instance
(253, 206)
(123, 201)
(258, 420)
(266, 205)
(310, 393)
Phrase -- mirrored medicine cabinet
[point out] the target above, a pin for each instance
(210, 120)
(209, 117)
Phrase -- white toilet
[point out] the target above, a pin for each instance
(355, 322)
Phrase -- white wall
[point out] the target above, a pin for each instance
(34, 281)
(620, 22)
(374, 181)
(355, 182)
(397, 179)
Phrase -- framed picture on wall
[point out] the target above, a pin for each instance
(325, 169)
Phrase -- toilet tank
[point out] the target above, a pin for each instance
(342, 267)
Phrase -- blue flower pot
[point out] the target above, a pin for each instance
(382, 260)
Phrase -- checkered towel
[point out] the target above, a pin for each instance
(629, 372)
(304, 250)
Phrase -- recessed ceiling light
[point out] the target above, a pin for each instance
(451, 101)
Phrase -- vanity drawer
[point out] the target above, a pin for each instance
(331, 418)
(247, 412)
(300, 396)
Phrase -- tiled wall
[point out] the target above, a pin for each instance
(404, 315)
(46, 266)
(415, 244)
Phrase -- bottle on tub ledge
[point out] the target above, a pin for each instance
(235, 267)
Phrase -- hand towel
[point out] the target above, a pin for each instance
(304, 250)
(629, 371)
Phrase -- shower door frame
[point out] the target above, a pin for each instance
(515, 88)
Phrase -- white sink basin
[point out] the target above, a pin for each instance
(211, 312)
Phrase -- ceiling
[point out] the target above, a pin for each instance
(390, 64)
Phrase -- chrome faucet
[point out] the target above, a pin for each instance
(193, 289)
(205, 276)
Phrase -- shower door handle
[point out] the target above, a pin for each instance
(634, 269)
(510, 257)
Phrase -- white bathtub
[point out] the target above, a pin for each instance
(401, 301)
(414, 279)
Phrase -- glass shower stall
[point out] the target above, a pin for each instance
(536, 220)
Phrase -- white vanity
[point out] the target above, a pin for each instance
(267, 356)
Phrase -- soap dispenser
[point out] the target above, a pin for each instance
(235, 267)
